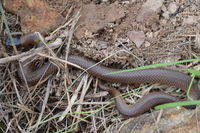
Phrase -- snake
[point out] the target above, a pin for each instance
(29, 74)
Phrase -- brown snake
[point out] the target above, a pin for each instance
(156, 75)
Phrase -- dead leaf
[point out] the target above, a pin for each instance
(137, 37)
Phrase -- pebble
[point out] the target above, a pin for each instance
(172, 8)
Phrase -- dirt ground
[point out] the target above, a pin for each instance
(127, 33)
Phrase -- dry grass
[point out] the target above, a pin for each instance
(57, 105)
(66, 103)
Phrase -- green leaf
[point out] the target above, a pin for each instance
(195, 72)
(175, 104)
(154, 65)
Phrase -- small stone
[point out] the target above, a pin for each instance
(190, 20)
(166, 15)
(147, 44)
(149, 11)
(104, 0)
(125, 2)
(149, 34)
(103, 45)
(155, 34)
(164, 9)
(172, 8)
(96, 17)
(154, 5)
(197, 41)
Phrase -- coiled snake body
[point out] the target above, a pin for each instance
(157, 75)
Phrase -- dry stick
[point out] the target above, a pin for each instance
(56, 125)
(60, 60)
(80, 119)
(59, 28)
(67, 52)
(62, 26)
(83, 93)
(17, 57)
(19, 127)
(96, 95)
(70, 10)
(25, 108)
(103, 116)
(78, 109)
(71, 32)
(24, 78)
(158, 118)
(72, 100)
(34, 51)
(126, 123)
(17, 92)
(91, 103)
(21, 106)
(5, 120)
(189, 48)
(49, 49)
(10, 122)
(44, 104)
(93, 116)
(157, 121)
(51, 52)
(196, 114)
(1, 26)
(129, 98)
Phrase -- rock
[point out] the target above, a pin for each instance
(172, 8)
(149, 11)
(137, 37)
(96, 17)
(36, 15)
(104, 0)
(147, 44)
(172, 121)
(197, 41)
(190, 20)
(166, 14)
